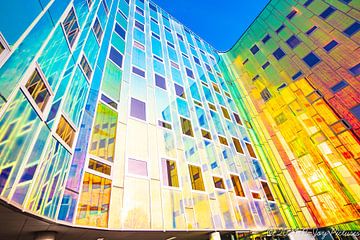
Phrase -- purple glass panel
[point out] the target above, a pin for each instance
(137, 167)
(179, 90)
(160, 81)
(28, 174)
(138, 109)
(189, 73)
(138, 71)
(116, 57)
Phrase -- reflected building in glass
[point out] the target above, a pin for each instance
(114, 116)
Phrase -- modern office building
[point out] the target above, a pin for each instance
(118, 122)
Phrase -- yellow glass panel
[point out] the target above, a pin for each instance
(197, 181)
(65, 131)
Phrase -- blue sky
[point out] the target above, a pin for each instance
(219, 22)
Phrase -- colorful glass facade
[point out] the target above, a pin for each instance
(113, 115)
(296, 77)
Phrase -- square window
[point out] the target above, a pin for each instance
(239, 191)
(169, 171)
(186, 127)
(152, 7)
(238, 146)
(120, 31)
(197, 182)
(219, 182)
(137, 167)
(223, 141)
(237, 119)
(327, 12)
(160, 81)
(254, 49)
(311, 60)
(265, 94)
(355, 70)
(293, 41)
(116, 57)
(279, 54)
(336, 88)
(328, 47)
(267, 191)
(139, 11)
(179, 90)
(206, 134)
(189, 73)
(38, 90)
(65, 131)
(197, 60)
(139, 25)
(225, 113)
(352, 29)
(138, 71)
(138, 109)
(71, 27)
(266, 38)
(356, 111)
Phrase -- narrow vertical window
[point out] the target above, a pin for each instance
(197, 182)
(65, 131)
(237, 145)
(170, 175)
(138, 109)
(86, 67)
(38, 90)
(186, 127)
(239, 191)
(267, 191)
(97, 30)
(71, 27)
(105, 7)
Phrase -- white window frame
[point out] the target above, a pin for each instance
(42, 114)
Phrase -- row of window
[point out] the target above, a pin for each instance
(170, 177)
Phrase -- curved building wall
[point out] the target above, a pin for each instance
(113, 115)
(296, 78)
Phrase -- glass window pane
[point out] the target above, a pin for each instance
(239, 191)
(138, 109)
(197, 182)
(38, 90)
(137, 167)
(170, 175)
